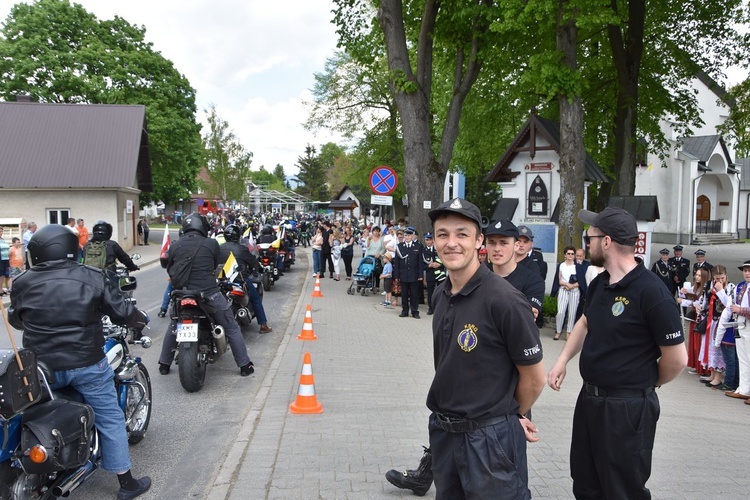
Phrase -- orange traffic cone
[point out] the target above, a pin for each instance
(316, 290)
(307, 332)
(306, 401)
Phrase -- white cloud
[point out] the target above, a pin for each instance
(253, 59)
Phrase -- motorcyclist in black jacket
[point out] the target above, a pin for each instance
(102, 231)
(205, 261)
(267, 235)
(59, 305)
(249, 265)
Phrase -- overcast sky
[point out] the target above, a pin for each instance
(253, 59)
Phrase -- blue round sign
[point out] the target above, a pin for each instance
(383, 180)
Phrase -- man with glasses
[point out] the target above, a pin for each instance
(630, 343)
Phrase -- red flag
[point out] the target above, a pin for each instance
(165, 242)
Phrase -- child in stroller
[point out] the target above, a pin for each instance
(363, 278)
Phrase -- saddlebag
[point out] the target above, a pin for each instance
(64, 428)
(14, 392)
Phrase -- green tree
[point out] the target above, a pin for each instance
(60, 53)
(227, 161)
(312, 176)
(278, 172)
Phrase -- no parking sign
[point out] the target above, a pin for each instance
(383, 180)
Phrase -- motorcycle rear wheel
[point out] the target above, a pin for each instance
(138, 417)
(192, 369)
(266, 282)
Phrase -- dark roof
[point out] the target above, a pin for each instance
(342, 204)
(73, 146)
(551, 131)
(644, 208)
(702, 147)
(716, 88)
(505, 209)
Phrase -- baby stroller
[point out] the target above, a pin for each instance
(363, 278)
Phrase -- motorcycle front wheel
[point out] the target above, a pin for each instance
(192, 369)
(138, 409)
(266, 282)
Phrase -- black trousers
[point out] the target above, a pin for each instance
(325, 256)
(486, 463)
(610, 450)
(347, 258)
(430, 289)
(410, 297)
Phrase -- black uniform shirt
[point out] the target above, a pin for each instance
(480, 334)
(529, 283)
(627, 322)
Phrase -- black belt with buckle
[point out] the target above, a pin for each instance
(615, 392)
(457, 424)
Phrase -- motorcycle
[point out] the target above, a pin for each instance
(267, 258)
(32, 466)
(238, 297)
(303, 238)
(200, 341)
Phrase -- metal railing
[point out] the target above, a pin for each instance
(708, 226)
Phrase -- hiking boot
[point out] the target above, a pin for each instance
(144, 484)
(264, 328)
(162, 313)
(418, 481)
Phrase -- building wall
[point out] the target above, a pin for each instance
(91, 206)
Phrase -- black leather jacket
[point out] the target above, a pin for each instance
(59, 306)
(244, 258)
(205, 263)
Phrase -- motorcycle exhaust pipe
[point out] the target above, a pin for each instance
(241, 313)
(220, 340)
(66, 485)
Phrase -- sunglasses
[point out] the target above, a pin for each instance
(587, 239)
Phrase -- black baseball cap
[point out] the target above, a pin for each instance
(457, 206)
(617, 223)
(501, 228)
(525, 231)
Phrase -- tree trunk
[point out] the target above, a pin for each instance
(627, 54)
(424, 174)
(572, 153)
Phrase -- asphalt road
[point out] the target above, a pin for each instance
(190, 433)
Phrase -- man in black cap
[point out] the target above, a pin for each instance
(434, 269)
(664, 271)
(408, 267)
(526, 253)
(700, 257)
(630, 342)
(488, 369)
(680, 266)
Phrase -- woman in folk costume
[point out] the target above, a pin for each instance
(695, 299)
(719, 298)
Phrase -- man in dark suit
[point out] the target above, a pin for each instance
(408, 266)
(700, 257)
(664, 270)
(434, 269)
(680, 267)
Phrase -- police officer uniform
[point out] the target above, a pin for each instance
(433, 275)
(665, 272)
(408, 266)
(702, 265)
(680, 267)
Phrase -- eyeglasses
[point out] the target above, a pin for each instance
(569, 253)
(587, 239)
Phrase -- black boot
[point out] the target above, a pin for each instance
(418, 481)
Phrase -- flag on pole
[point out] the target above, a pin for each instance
(231, 269)
(165, 242)
(250, 241)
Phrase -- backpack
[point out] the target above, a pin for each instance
(179, 269)
(95, 254)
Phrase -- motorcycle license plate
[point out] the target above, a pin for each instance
(187, 332)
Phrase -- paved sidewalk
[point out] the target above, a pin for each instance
(372, 371)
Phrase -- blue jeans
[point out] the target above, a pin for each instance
(167, 293)
(257, 302)
(96, 385)
(316, 261)
(732, 374)
(224, 317)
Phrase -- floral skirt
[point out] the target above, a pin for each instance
(396, 287)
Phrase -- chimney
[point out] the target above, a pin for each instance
(24, 98)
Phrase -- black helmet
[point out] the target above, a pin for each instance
(195, 222)
(103, 230)
(53, 242)
(232, 233)
(267, 229)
